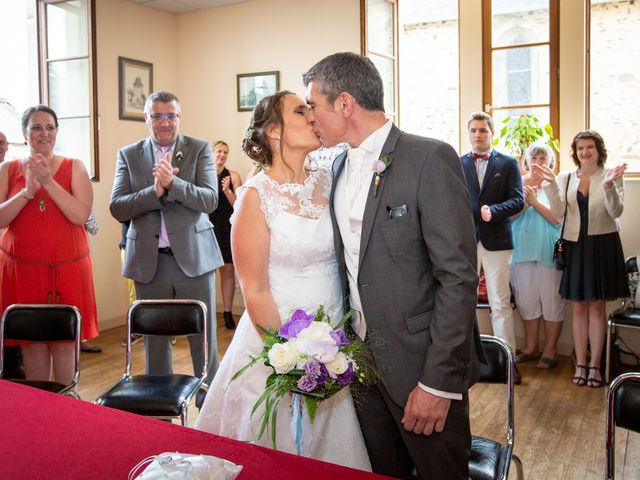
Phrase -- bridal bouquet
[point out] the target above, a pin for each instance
(312, 360)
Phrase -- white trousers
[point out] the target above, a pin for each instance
(497, 272)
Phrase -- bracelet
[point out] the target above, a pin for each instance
(23, 192)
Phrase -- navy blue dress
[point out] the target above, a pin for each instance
(220, 219)
(595, 268)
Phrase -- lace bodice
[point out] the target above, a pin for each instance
(303, 271)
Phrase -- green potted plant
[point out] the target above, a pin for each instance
(517, 133)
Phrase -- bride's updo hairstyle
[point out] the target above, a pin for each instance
(267, 113)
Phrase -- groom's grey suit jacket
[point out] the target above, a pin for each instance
(417, 273)
(185, 207)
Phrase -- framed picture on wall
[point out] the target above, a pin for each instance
(135, 83)
(253, 87)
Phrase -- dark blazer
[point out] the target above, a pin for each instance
(193, 195)
(502, 191)
(417, 274)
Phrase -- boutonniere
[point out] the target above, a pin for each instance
(179, 156)
(379, 168)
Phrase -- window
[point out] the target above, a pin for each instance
(68, 76)
(48, 45)
(380, 44)
(614, 78)
(520, 48)
(19, 86)
(429, 58)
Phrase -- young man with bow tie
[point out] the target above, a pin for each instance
(495, 188)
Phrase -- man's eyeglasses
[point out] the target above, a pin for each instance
(42, 128)
(157, 117)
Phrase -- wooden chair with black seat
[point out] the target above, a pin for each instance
(160, 396)
(627, 316)
(623, 410)
(490, 459)
(44, 323)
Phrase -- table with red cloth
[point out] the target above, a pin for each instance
(44, 435)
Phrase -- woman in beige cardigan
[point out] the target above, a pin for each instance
(594, 271)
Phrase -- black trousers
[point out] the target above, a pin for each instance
(395, 452)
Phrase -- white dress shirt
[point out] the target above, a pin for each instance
(351, 193)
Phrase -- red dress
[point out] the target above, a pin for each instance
(44, 258)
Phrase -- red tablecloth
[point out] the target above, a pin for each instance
(43, 435)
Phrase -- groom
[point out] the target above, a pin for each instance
(406, 250)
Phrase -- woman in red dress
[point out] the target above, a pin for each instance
(45, 200)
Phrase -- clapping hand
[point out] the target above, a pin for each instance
(31, 182)
(40, 169)
(225, 182)
(544, 172)
(163, 174)
(614, 174)
(530, 194)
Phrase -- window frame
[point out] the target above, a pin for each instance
(43, 69)
(364, 50)
(554, 65)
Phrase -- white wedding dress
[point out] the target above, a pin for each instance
(303, 273)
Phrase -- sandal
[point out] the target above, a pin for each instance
(547, 362)
(523, 357)
(580, 380)
(592, 381)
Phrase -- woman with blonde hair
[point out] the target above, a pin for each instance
(228, 182)
(534, 279)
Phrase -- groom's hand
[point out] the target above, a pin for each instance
(425, 412)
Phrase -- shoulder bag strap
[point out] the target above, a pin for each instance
(566, 203)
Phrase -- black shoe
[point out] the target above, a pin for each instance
(517, 378)
(228, 320)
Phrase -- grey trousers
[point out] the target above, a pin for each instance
(170, 282)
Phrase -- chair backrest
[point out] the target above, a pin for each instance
(41, 323)
(498, 355)
(168, 318)
(623, 410)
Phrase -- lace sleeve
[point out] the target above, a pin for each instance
(269, 203)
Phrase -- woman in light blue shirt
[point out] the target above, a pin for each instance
(534, 279)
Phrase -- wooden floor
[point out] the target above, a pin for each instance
(559, 427)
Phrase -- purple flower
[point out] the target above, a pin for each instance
(347, 377)
(299, 321)
(307, 383)
(316, 371)
(324, 374)
(340, 338)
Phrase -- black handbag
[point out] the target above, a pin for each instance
(559, 249)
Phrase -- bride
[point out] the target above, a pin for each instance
(283, 251)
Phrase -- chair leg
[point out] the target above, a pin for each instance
(607, 368)
(519, 470)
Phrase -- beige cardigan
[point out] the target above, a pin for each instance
(605, 206)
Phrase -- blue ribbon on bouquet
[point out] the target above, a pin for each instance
(296, 421)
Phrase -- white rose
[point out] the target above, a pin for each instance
(338, 365)
(316, 342)
(283, 357)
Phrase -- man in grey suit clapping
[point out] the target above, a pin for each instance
(405, 244)
(166, 185)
